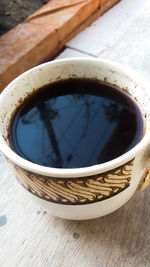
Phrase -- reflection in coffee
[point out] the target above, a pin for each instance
(76, 123)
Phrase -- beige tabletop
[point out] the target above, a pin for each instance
(28, 235)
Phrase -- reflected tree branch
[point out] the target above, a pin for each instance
(51, 133)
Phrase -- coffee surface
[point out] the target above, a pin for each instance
(76, 123)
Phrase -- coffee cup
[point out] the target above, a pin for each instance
(87, 192)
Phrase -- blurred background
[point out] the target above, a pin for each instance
(13, 12)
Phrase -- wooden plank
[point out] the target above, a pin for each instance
(44, 33)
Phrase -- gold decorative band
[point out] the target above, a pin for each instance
(73, 191)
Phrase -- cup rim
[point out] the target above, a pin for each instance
(83, 171)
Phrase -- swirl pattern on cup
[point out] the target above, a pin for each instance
(75, 191)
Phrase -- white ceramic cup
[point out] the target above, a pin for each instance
(81, 193)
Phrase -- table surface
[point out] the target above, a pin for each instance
(31, 237)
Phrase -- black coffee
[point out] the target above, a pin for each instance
(76, 123)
